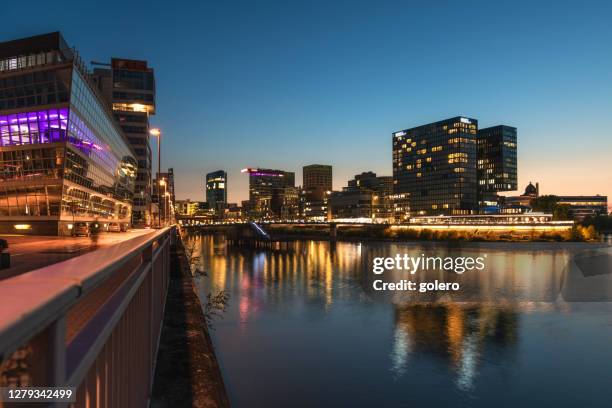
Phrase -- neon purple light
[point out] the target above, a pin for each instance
(263, 174)
(45, 126)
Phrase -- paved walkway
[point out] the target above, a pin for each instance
(187, 373)
(33, 252)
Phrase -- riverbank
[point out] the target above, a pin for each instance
(187, 373)
(403, 233)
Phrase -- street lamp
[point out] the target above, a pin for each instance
(157, 133)
(162, 182)
(166, 204)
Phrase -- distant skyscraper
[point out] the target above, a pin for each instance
(497, 169)
(267, 190)
(129, 89)
(317, 177)
(317, 185)
(436, 164)
(216, 189)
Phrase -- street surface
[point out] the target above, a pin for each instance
(33, 252)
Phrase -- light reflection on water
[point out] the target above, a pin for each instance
(305, 328)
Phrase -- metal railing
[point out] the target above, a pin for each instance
(92, 322)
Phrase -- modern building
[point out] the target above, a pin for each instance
(436, 164)
(267, 191)
(317, 180)
(317, 186)
(497, 169)
(354, 204)
(216, 189)
(581, 207)
(452, 167)
(365, 196)
(129, 89)
(368, 180)
(187, 207)
(63, 159)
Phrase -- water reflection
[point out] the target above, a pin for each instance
(306, 319)
(458, 334)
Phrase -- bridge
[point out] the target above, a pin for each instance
(92, 322)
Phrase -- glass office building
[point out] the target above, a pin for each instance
(63, 159)
(497, 170)
(436, 165)
(216, 189)
(128, 86)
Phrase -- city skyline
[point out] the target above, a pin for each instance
(275, 91)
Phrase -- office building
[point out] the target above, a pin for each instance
(496, 163)
(129, 89)
(63, 159)
(380, 185)
(216, 189)
(317, 185)
(317, 180)
(581, 207)
(187, 207)
(436, 164)
(365, 196)
(267, 189)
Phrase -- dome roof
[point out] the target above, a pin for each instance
(531, 189)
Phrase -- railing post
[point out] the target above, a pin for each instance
(57, 348)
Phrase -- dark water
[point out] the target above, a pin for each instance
(305, 328)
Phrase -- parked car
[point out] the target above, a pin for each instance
(80, 229)
(114, 227)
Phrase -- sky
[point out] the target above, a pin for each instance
(283, 84)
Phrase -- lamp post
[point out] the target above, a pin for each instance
(156, 132)
(162, 182)
(166, 205)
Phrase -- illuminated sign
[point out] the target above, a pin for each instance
(402, 133)
(464, 120)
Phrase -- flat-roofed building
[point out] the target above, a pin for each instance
(268, 189)
(63, 158)
(436, 164)
(581, 207)
(216, 189)
(128, 87)
(497, 168)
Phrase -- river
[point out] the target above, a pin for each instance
(304, 327)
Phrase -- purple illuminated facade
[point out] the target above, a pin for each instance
(43, 126)
(63, 159)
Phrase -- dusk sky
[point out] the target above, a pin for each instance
(284, 84)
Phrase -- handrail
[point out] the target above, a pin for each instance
(34, 300)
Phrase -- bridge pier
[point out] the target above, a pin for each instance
(333, 231)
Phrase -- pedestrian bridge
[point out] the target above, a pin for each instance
(92, 322)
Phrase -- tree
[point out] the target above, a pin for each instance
(561, 212)
(545, 203)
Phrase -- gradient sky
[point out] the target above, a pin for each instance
(284, 84)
